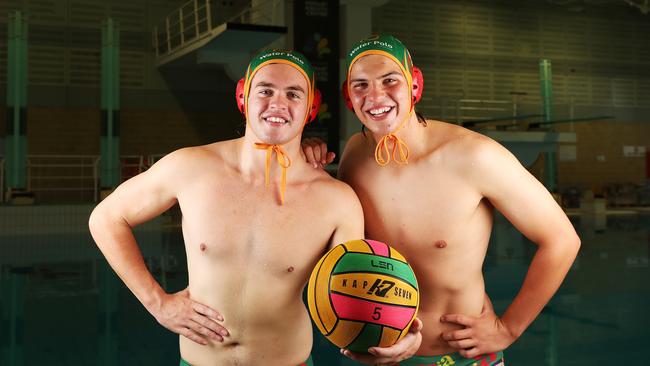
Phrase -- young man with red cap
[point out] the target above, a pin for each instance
(429, 189)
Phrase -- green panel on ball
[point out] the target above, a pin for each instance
(354, 262)
(369, 336)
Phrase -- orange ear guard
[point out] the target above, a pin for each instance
(315, 105)
(418, 85)
(346, 95)
(239, 95)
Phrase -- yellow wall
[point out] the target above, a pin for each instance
(605, 139)
(75, 131)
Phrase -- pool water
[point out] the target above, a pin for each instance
(62, 305)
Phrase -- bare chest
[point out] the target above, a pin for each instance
(235, 223)
(427, 207)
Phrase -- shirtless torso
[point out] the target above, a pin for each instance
(438, 211)
(250, 258)
(429, 188)
(250, 248)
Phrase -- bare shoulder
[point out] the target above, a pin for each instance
(320, 191)
(194, 159)
(356, 140)
(357, 150)
(464, 147)
(455, 135)
(356, 143)
(332, 190)
(339, 204)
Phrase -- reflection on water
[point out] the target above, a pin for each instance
(62, 305)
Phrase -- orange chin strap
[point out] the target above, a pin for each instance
(383, 154)
(283, 161)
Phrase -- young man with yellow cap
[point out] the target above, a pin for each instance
(256, 219)
(429, 188)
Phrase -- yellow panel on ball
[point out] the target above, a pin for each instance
(397, 255)
(319, 306)
(359, 246)
(345, 332)
(389, 337)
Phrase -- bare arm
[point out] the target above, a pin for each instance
(350, 218)
(134, 202)
(525, 202)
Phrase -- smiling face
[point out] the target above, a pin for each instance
(379, 93)
(277, 103)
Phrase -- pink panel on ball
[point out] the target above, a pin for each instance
(351, 308)
(378, 247)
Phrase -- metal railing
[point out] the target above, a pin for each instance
(153, 158)
(468, 109)
(74, 173)
(131, 165)
(471, 112)
(195, 20)
(184, 25)
(57, 173)
(2, 179)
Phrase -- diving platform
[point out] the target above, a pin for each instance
(197, 33)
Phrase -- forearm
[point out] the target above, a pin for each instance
(548, 269)
(117, 243)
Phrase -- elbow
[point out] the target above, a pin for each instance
(565, 245)
(97, 221)
(575, 242)
(93, 220)
(106, 221)
(571, 246)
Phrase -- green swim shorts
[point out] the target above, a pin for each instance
(455, 359)
(309, 362)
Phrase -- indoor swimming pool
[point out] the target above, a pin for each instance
(62, 305)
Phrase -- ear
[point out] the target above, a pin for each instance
(239, 95)
(418, 85)
(346, 95)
